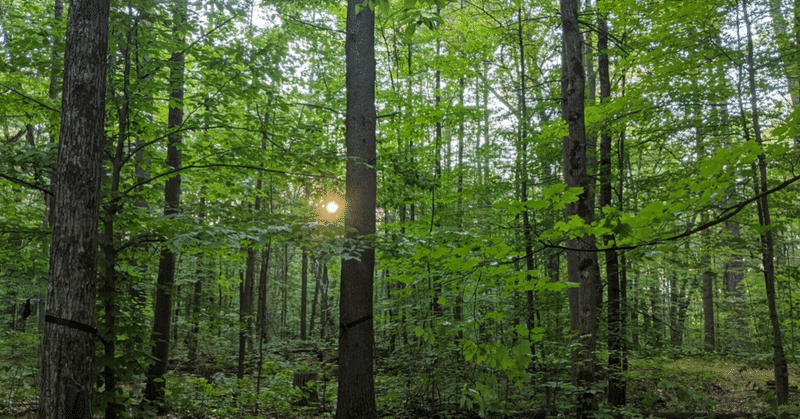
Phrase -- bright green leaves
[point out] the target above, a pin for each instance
(791, 127)
(556, 196)
(513, 361)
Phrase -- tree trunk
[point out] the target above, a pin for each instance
(324, 307)
(162, 322)
(709, 340)
(767, 245)
(263, 282)
(304, 296)
(616, 386)
(356, 394)
(317, 271)
(582, 267)
(69, 345)
(527, 230)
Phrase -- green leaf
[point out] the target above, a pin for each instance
(410, 29)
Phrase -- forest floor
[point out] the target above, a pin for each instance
(655, 384)
(717, 386)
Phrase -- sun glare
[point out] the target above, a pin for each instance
(332, 207)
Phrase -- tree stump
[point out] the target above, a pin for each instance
(301, 380)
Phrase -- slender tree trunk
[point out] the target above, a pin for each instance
(356, 395)
(323, 310)
(527, 231)
(767, 245)
(263, 282)
(69, 344)
(109, 251)
(243, 296)
(616, 386)
(708, 303)
(582, 267)
(162, 322)
(304, 296)
(317, 271)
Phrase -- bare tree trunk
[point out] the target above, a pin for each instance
(616, 386)
(162, 322)
(356, 396)
(263, 282)
(304, 296)
(315, 267)
(582, 267)
(767, 245)
(708, 302)
(69, 346)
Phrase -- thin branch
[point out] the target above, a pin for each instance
(213, 165)
(726, 214)
(37, 101)
(24, 183)
(313, 25)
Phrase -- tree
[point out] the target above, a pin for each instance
(764, 220)
(582, 267)
(356, 394)
(154, 390)
(69, 335)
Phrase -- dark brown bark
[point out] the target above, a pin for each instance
(246, 303)
(324, 309)
(263, 282)
(243, 296)
(304, 296)
(68, 352)
(767, 244)
(709, 334)
(616, 385)
(356, 394)
(527, 231)
(162, 322)
(582, 267)
(317, 269)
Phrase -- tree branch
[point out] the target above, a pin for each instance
(24, 183)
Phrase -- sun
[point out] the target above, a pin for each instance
(332, 207)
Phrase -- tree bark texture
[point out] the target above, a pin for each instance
(162, 321)
(616, 386)
(68, 352)
(582, 267)
(356, 394)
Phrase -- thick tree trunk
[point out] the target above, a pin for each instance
(69, 344)
(162, 322)
(582, 267)
(356, 395)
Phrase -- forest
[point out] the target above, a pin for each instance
(399, 209)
